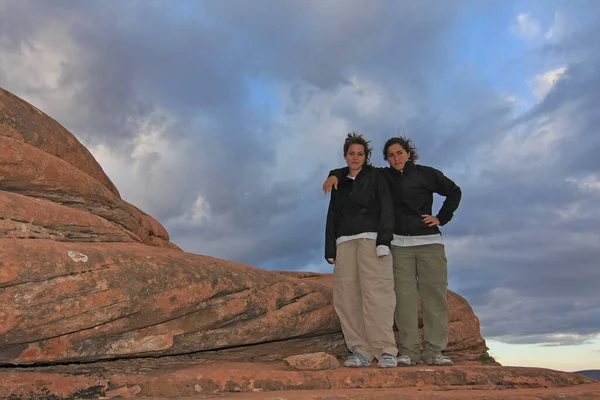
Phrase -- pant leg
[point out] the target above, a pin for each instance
(347, 300)
(432, 270)
(378, 299)
(407, 301)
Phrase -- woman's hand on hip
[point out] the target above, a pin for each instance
(430, 220)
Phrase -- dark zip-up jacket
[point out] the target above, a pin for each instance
(412, 193)
(360, 205)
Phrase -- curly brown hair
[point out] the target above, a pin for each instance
(357, 138)
(406, 143)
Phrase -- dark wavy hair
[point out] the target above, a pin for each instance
(406, 143)
(356, 138)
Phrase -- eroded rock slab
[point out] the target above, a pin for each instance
(131, 299)
(465, 342)
(175, 377)
(22, 121)
(311, 362)
(86, 276)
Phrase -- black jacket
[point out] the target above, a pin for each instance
(358, 206)
(412, 193)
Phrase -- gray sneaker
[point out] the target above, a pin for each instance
(357, 360)
(440, 360)
(405, 361)
(387, 361)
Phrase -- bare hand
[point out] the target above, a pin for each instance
(331, 182)
(430, 220)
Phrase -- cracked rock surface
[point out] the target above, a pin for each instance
(86, 276)
(96, 301)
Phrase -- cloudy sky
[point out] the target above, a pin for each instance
(222, 118)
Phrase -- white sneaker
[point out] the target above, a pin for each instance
(405, 361)
(440, 360)
(357, 360)
(387, 361)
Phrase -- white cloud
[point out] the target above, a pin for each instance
(526, 26)
(543, 83)
(155, 163)
(588, 184)
(531, 145)
(510, 99)
(196, 216)
(558, 27)
(34, 68)
(201, 209)
(320, 121)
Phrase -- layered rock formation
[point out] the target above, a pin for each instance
(86, 276)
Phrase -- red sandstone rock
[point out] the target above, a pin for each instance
(181, 377)
(465, 342)
(40, 159)
(86, 276)
(311, 362)
(21, 121)
(75, 285)
(29, 171)
(130, 299)
(31, 218)
(124, 391)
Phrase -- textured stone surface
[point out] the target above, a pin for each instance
(311, 362)
(177, 377)
(40, 159)
(32, 218)
(29, 171)
(582, 392)
(91, 301)
(465, 342)
(21, 121)
(86, 276)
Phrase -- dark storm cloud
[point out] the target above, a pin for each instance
(528, 228)
(136, 61)
(536, 272)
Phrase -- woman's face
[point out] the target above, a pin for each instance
(397, 156)
(355, 157)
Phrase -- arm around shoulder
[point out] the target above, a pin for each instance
(386, 220)
(330, 245)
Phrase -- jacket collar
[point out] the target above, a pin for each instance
(409, 167)
(346, 171)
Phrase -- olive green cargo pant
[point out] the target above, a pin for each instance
(364, 299)
(421, 273)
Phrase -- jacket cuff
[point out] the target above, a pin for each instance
(443, 218)
(382, 250)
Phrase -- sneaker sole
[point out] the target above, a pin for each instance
(357, 365)
(401, 364)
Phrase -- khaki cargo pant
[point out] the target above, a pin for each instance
(421, 273)
(364, 299)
